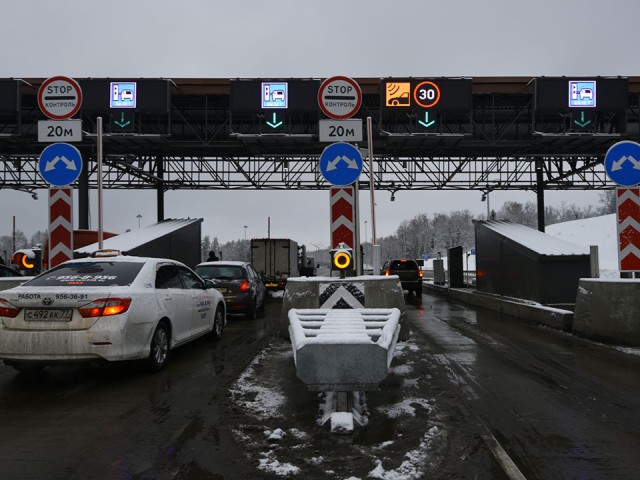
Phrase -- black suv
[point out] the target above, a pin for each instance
(408, 271)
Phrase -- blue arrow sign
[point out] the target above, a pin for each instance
(60, 164)
(341, 163)
(622, 163)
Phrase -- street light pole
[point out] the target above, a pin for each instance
(365, 232)
(139, 217)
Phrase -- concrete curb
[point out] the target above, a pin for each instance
(551, 317)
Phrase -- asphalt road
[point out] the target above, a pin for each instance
(471, 395)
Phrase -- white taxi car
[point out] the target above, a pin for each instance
(114, 308)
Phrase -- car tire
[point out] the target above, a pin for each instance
(159, 352)
(218, 324)
(251, 311)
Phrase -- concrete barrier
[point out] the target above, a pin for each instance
(608, 310)
(557, 318)
(365, 291)
(343, 350)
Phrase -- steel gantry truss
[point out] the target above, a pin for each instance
(579, 172)
(502, 144)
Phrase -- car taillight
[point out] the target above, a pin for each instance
(420, 273)
(8, 310)
(103, 307)
(244, 286)
(387, 273)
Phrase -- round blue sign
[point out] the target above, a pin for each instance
(622, 163)
(60, 164)
(341, 163)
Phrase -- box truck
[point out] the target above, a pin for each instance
(276, 259)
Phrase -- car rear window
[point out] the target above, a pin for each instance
(89, 274)
(226, 272)
(404, 265)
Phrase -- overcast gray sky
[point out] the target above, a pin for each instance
(298, 38)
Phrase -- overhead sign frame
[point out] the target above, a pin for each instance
(339, 97)
(59, 97)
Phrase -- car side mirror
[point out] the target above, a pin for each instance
(208, 284)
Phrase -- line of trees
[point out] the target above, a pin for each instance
(414, 238)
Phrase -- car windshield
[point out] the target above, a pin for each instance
(89, 274)
(225, 272)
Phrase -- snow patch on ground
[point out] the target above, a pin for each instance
(257, 400)
(410, 382)
(406, 407)
(413, 467)
(402, 370)
(269, 463)
(403, 348)
(275, 436)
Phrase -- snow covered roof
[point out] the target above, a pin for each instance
(135, 238)
(534, 240)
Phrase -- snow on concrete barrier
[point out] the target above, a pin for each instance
(366, 291)
(343, 350)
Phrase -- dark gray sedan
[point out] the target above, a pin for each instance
(243, 289)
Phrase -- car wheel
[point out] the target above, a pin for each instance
(251, 311)
(159, 354)
(218, 324)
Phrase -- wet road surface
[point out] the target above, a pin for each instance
(472, 393)
(561, 407)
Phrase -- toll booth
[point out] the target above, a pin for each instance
(177, 239)
(518, 261)
(455, 267)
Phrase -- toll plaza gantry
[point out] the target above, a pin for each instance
(484, 134)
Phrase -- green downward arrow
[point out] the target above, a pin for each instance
(582, 123)
(426, 122)
(274, 123)
(122, 123)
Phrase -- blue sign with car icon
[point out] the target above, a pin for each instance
(123, 95)
(582, 93)
(275, 95)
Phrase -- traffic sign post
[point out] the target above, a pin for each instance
(59, 97)
(341, 163)
(60, 226)
(622, 163)
(339, 97)
(628, 221)
(60, 164)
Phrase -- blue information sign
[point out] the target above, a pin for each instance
(622, 163)
(341, 163)
(60, 164)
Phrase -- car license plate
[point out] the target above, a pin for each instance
(270, 284)
(48, 315)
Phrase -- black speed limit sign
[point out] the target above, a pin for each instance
(426, 94)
